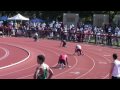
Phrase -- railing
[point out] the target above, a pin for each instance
(103, 39)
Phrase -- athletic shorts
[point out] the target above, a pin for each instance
(78, 50)
(61, 61)
(115, 77)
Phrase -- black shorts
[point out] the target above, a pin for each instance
(115, 77)
(61, 61)
(64, 44)
(78, 50)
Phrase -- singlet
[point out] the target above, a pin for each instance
(43, 71)
(116, 69)
(63, 57)
(78, 47)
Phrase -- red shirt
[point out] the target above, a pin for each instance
(63, 57)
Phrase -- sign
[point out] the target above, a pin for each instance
(70, 18)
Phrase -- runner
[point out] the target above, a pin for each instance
(115, 71)
(63, 43)
(35, 36)
(78, 50)
(43, 71)
(62, 62)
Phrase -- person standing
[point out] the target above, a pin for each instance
(115, 71)
(43, 71)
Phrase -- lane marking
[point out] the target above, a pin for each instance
(89, 69)
(106, 59)
(24, 68)
(25, 76)
(6, 53)
(106, 55)
(19, 70)
(102, 62)
(20, 60)
(49, 49)
(75, 65)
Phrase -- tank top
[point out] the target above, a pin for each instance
(43, 71)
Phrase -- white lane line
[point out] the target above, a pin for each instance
(106, 76)
(25, 76)
(76, 61)
(106, 59)
(24, 68)
(102, 62)
(6, 53)
(106, 55)
(19, 70)
(89, 69)
(57, 55)
(66, 70)
(44, 54)
(20, 60)
(75, 73)
(75, 64)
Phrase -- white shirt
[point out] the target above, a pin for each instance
(116, 69)
(36, 34)
(118, 33)
(78, 47)
(44, 68)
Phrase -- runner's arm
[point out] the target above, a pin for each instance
(50, 73)
(35, 74)
(110, 74)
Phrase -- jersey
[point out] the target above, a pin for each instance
(116, 69)
(78, 47)
(63, 57)
(43, 71)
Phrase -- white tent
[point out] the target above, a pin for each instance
(18, 17)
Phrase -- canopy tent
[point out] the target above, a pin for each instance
(18, 17)
(36, 20)
(3, 18)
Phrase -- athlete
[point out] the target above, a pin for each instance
(35, 36)
(63, 61)
(43, 71)
(115, 71)
(78, 50)
(63, 43)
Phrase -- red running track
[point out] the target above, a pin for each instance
(94, 64)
